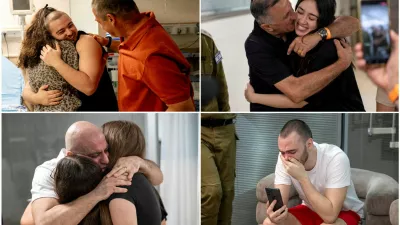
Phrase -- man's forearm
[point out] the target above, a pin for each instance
(312, 83)
(71, 213)
(344, 26)
(152, 172)
(77, 79)
(321, 205)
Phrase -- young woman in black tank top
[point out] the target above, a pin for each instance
(104, 98)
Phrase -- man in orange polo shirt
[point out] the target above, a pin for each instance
(153, 75)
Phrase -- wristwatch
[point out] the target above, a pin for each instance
(109, 41)
(323, 33)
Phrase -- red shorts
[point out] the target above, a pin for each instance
(308, 217)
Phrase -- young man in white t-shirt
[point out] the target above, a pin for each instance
(85, 139)
(321, 175)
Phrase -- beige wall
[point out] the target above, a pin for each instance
(172, 11)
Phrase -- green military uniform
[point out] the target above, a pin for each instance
(218, 143)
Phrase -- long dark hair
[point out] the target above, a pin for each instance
(326, 10)
(36, 36)
(75, 176)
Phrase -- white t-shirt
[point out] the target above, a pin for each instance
(43, 183)
(332, 170)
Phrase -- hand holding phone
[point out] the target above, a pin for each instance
(274, 194)
(279, 212)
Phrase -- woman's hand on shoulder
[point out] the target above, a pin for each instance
(130, 165)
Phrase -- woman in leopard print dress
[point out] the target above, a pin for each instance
(39, 73)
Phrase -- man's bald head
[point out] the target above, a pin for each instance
(83, 136)
(88, 140)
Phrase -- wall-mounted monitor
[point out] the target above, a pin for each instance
(21, 7)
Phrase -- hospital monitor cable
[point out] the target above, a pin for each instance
(5, 39)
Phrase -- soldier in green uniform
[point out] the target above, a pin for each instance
(218, 142)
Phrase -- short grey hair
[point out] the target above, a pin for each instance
(259, 8)
(120, 8)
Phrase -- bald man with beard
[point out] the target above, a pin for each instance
(84, 139)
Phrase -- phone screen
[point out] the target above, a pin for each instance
(375, 31)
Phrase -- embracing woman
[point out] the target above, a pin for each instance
(342, 94)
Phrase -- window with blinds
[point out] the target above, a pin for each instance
(257, 152)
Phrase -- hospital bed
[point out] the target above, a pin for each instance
(12, 86)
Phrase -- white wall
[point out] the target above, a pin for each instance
(81, 14)
(229, 35)
(9, 21)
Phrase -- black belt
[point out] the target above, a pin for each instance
(215, 122)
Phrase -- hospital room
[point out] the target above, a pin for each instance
(230, 25)
(177, 21)
(31, 141)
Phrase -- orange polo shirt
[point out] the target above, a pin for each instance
(152, 71)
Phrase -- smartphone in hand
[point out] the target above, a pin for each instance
(375, 28)
(274, 194)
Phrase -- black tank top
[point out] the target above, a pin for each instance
(143, 195)
(104, 98)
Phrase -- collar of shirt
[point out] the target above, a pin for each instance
(140, 29)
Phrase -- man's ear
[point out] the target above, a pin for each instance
(69, 153)
(111, 18)
(310, 143)
(267, 27)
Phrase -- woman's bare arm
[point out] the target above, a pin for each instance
(277, 101)
(272, 100)
(122, 212)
